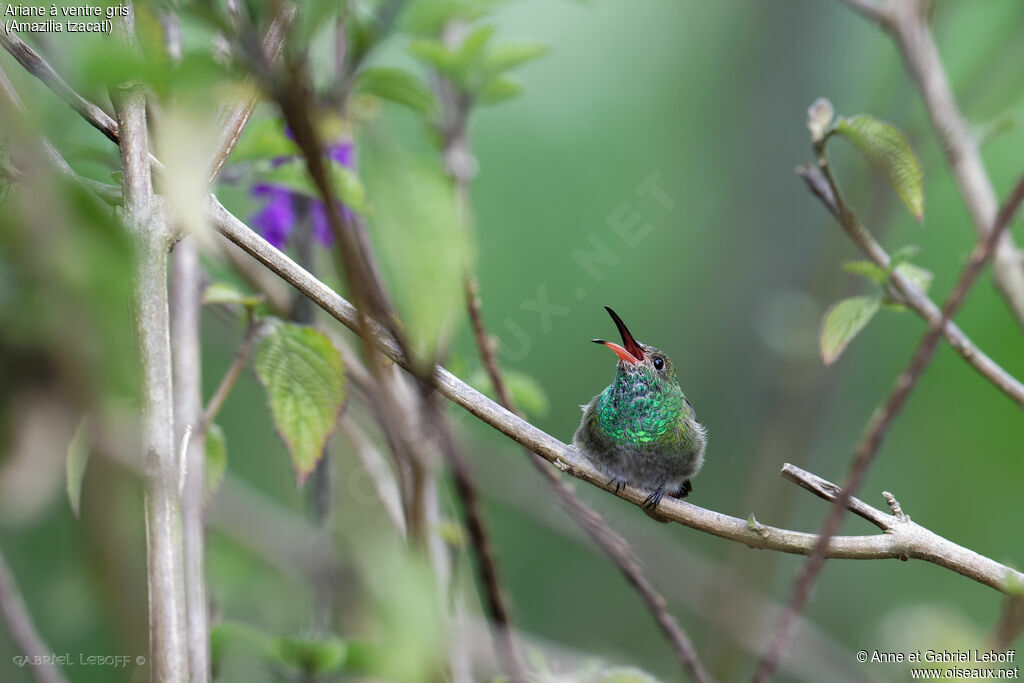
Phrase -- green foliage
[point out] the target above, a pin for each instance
(264, 139)
(216, 447)
(868, 270)
(305, 382)
(224, 293)
(918, 276)
(842, 323)
(526, 392)
(428, 17)
(476, 67)
(887, 149)
(78, 457)
(310, 656)
(418, 235)
(346, 185)
(397, 85)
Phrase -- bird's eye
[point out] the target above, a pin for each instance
(659, 363)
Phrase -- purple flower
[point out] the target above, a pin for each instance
(278, 216)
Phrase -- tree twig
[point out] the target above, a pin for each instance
(906, 21)
(231, 376)
(610, 542)
(23, 631)
(38, 67)
(876, 432)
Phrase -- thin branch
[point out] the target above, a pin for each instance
(822, 184)
(38, 67)
(922, 545)
(23, 631)
(237, 117)
(608, 540)
(907, 23)
(234, 371)
(877, 429)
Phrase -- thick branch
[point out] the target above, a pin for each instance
(568, 459)
(168, 654)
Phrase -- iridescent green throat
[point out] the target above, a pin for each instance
(642, 408)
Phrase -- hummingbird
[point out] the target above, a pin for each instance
(641, 431)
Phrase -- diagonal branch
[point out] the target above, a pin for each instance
(877, 429)
(23, 632)
(923, 545)
(822, 184)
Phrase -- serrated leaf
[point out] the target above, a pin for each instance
(511, 54)
(312, 657)
(842, 322)
(223, 293)
(918, 276)
(498, 90)
(305, 382)
(887, 149)
(397, 85)
(216, 461)
(866, 269)
(78, 457)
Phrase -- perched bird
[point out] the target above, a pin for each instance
(641, 431)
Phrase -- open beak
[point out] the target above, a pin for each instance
(630, 351)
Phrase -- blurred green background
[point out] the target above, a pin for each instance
(709, 101)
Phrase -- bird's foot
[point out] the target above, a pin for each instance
(616, 484)
(651, 501)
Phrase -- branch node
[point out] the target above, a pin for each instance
(894, 506)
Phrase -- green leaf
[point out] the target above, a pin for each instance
(433, 53)
(902, 255)
(428, 17)
(305, 382)
(397, 85)
(887, 149)
(525, 391)
(78, 457)
(918, 276)
(511, 54)
(842, 323)
(216, 461)
(499, 89)
(423, 245)
(312, 657)
(867, 269)
(346, 185)
(262, 140)
(223, 293)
